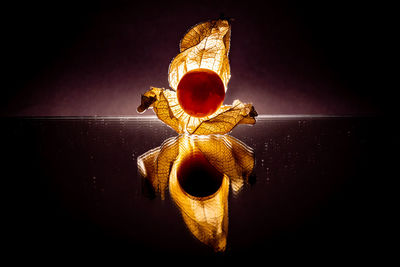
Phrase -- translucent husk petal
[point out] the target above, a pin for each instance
(165, 104)
(205, 46)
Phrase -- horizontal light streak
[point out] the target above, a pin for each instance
(147, 117)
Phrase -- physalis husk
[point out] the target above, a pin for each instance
(204, 47)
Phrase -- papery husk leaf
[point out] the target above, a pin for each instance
(205, 46)
(166, 106)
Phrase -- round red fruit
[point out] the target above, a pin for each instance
(200, 92)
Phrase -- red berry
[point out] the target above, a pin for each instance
(200, 92)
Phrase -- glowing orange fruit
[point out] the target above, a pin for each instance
(200, 92)
(197, 176)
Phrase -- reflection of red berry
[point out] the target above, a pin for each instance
(197, 176)
(200, 92)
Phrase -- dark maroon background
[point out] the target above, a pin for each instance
(97, 57)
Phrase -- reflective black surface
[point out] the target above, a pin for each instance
(319, 188)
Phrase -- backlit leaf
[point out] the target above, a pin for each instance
(205, 46)
(166, 106)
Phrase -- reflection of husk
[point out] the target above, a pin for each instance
(206, 217)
